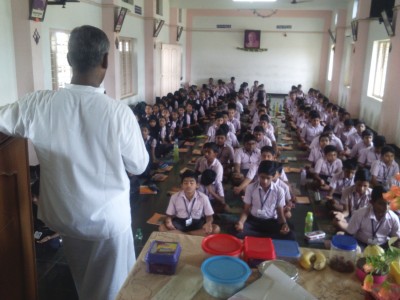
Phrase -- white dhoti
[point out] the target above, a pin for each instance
(99, 268)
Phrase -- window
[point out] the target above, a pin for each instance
(330, 67)
(377, 75)
(355, 9)
(126, 66)
(180, 15)
(159, 7)
(61, 71)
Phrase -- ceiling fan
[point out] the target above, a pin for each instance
(299, 1)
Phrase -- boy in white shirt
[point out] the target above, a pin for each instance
(327, 167)
(384, 169)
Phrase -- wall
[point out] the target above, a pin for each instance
(291, 59)
(8, 85)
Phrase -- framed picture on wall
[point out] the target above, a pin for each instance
(252, 39)
(120, 19)
(37, 10)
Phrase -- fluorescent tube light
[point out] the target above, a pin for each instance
(254, 0)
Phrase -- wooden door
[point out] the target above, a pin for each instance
(171, 61)
(17, 253)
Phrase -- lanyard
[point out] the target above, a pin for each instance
(346, 182)
(375, 230)
(358, 201)
(187, 209)
(265, 197)
(386, 174)
(330, 169)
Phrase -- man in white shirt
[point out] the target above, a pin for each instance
(85, 142)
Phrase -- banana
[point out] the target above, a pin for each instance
(306, 259)
(320, 261)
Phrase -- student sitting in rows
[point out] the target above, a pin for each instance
(374, 224)
(289, 202)
(260, 110)
(231, 138)
(261, 139)
(244, 160)
(153, 127)
(268, 129)
(312, 129)
(364, 143)
(327, 167)
(353, 198)
(385, 168)
(156, 111)
(347, 131)
(317, 152)
(219, 119)
(356, 137)
(233, 120)
(214, 190)
(333, 139)
(189, 211)
(341, 181)
(150, 144)
(225, 153)
(191, 121)
(263, 214)
(210, 161)
(164, 145)
(368, 156)
(148, 112)
(225, 116)
(339, 127)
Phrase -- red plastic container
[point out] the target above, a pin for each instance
(256, 250)
(222, 244)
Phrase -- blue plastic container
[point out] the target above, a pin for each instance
(223, 276)
(162, 257)
(287, 250)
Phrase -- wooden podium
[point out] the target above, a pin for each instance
(17, 253)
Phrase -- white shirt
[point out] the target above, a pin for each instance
(354, 200)
(179, 206)
(382, 172)
(202, 165)
(84, 141)
(266, 202)
(368, 156)
(323, 167)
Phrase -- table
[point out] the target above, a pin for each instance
(326, 284)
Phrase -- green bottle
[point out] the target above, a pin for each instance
(176, 151)
(309, 222)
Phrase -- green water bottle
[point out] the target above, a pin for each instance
(309, 222)
(176, 151)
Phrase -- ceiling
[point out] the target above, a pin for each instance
(279, 4)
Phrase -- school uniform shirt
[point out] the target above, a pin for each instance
(363, 224)
(236, 124)
(279, 182)
(270, 132)
(264, 204)
(368, 156)
(354, 200)
(85, 142)
(232, 140)
(323, 167)
(231, 127)
(264, 142)
(225, 154)
(340, 182)
(382, 172)
(179, 206)
(353, 139)
(335, 141)
(316, 153)
(217, 188)
(202, 165)
(346, 133)
(211, 133)
(239, 107)
(247, 159)
(339, 127)
(308, 133)
(356, 150)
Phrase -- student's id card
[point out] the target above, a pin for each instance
(188, 222)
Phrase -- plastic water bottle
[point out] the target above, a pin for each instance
(139, 237)
(317, 196)
(303, 177)
(309, 222)
(176, 151)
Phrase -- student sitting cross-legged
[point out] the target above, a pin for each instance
(374, 224)
(263, 214)
(189, 211)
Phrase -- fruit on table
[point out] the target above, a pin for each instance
(310, 259)
(320, 261)
(395, 270)
(373, 250)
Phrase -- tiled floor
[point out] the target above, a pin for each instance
(55, 281)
